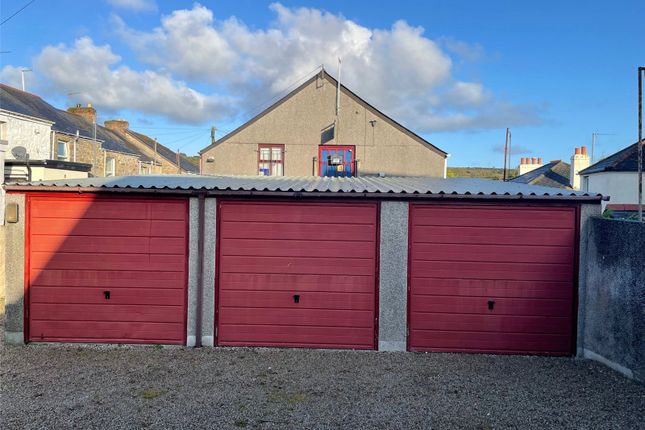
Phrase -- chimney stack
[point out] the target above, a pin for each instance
(579, 161)
(88, 112)
(529, 163)
(118, 125)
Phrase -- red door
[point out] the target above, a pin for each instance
(107, 269)
(297, 274)
(492, 279)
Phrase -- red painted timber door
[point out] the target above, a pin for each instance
(297, 274)
(492, 279)
(107, 270)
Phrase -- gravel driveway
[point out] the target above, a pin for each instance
(45, 386)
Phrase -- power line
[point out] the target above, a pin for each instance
(17, 12)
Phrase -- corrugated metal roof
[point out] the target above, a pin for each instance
(371, 185)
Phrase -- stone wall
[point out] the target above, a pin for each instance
(34, 135)
(87, 151)
(614, 299)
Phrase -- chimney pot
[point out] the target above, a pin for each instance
(522, 160)
(534, 160)
(583, 150)
(540, 160)
(577, 151)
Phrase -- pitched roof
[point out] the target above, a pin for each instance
(344, 89)
(15, 100)
(625, 160)
(165, 152)
(392, 187)
(553, 174)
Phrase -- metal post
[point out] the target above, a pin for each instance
(640, 143)
(505, 154)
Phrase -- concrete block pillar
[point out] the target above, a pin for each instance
(207, 288)
(393, 277)
(15, 273)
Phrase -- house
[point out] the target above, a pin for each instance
(405, 263)
(615, 176)
(323, 129)
(556, 173)
(166, 161)
(27, 155)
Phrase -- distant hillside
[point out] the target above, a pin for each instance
(480, 172)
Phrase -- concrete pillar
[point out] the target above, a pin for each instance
(587, 211)
(393, 277)
(208, 288)
(15, 274)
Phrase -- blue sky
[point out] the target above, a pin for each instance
(457, 72)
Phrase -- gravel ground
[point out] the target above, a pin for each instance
(43, 386)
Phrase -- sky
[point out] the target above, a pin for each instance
(458, 73)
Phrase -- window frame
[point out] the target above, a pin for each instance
(66, 152)
(271, 162)
(110, 172)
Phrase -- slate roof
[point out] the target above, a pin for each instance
(625, 160)
(357, 186)
(165, 152)
(15, 100)
(553, 174)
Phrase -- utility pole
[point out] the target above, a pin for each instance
(155, 159)
(178, 163)
(641, 70)
(213, 135)
(505, 154)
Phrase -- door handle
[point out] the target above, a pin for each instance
(106, 294)
(296, 298)
(491, 305)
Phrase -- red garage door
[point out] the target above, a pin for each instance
(491, 279)
(107, 270)
(297, 274)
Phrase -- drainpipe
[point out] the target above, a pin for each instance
(75, 143)
(445, 166)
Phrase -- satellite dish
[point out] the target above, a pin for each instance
(19, 153)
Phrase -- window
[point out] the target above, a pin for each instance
(110, 166)
(61, 150)
(585, 183)
(271, 160)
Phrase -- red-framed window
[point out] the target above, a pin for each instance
(270, 160)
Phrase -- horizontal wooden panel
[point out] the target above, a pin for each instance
(118, 296)
(297, 265)
(299, 213)
(295, 334)
(491, 235)
(487, 270)
(294, 316)
(89, 261)
(106, 332)
(293, 248)
(106, 278)
(502, 253)
(479, 305)
(106, 312)
(494, 323)
(98, 227)
(493, 288)
(272, 299)
(473, 216)
(290, 282)
(107, 244)
(109, 209)
(283, 344)
(303, 231)
(425, 340)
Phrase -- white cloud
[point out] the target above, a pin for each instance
(134, 5)
(93, 72)
(10, 75)
(399, 69)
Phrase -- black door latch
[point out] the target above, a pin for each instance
(107, 295)
(491, 305)
(296, 298)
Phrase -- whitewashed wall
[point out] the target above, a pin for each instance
(33, 134)
(621, 187)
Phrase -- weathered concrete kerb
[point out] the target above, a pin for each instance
(614, 305)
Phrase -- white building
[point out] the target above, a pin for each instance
(615, 176)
